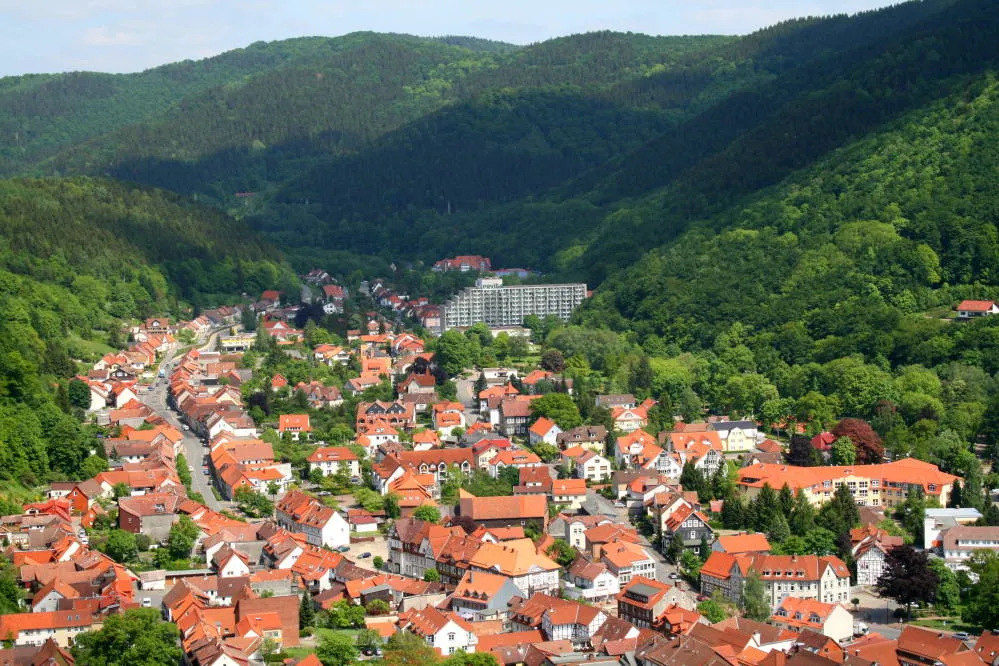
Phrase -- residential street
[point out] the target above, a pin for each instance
(466, 396)
(194, 451)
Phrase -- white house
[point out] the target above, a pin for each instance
(590, 581)
(831, 620)
(592, 467)
(446, 632)
(544, 431)
(331, 459)
(971, 309)
(322, 526)
(228, 563)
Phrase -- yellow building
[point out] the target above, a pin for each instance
(886, 484)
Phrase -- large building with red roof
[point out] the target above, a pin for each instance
(886, 484)
(826, 579)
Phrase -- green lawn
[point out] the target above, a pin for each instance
(87, 350)
(953, 624)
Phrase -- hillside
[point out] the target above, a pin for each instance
(78, 256)
(274, 126)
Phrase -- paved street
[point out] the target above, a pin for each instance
(466, 396)
(194, 450)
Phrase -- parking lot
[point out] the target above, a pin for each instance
(377, 548)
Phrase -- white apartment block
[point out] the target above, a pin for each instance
(492, 303)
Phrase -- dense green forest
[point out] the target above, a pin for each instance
(77, 258)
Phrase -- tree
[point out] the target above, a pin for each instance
(253, 503)
(78, 393)
(820, 541)
(840, 514)
(907, 577)
(779, 529)
(480, 385)
(380, 606)
(336, 650)
(427, 512)
(137, 636)
(870, 449)
(558, 407)
(553, 361)
(754, 598)
(712, 610)
(462, 658)
(676, 547)
(690, 563)
(765, 507)
(705, 548)
(982, 606)
(121, 489)
(431, 576)
(911, 513)
(391, 504)
(691, 478)
(405, 648)
(955, 495)
(843, 452)
(801, 452)
(368, 639)
(121, 546)
(306, 611)
(948, 596)
(562, 552)
(802, 518)
(180, 541)
(454, 353)
(733, 513)
(378, 562)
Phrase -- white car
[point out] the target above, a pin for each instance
(147, 602)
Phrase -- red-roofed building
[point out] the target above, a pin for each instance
(830, 620)
(971, 309)
(297, 424)
(445, 632)
(884, 485)
(826, 579)
(332, 459)
(544, 430)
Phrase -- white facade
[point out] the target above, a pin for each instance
(604, 586)
(594, 469)
(870, 566)
(452, 638)
(492, 303)
(576, 633)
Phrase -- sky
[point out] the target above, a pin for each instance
(132, 35)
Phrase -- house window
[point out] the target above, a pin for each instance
(450, 636)
(693, 534)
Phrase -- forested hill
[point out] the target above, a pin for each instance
(77, 258)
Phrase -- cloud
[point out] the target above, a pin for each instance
(104, 36)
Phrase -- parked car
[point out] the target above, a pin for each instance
(147, 602)
(343, 549)
(961, 636)
(204, 470)
(364, 555)
(620, 505)
(187, 427)
(675, 576)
